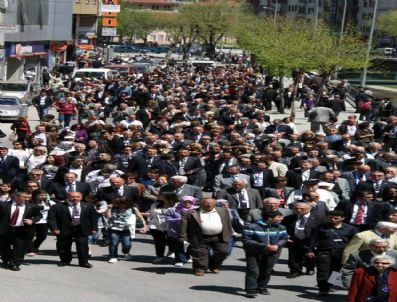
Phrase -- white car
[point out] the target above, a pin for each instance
(11, 108)
(22, 90)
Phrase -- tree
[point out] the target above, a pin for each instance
(211, 20)
(136, 24)
(388, 22)
(292, 45)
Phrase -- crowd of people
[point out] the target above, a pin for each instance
(197, 159)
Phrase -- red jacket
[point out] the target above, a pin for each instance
(66, 108)
(363, 282)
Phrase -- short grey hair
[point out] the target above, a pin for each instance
(385, 225)
(180, 178)
(302, 203)
(378, 240)
(270, 199)
(241, 180)
(383, 257)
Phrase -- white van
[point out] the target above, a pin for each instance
(92, 73)
(202, 64)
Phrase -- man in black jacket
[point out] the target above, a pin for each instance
(16, 229)
(70, 221)
(42, 102)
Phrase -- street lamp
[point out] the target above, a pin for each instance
(316, 15)
(343, 20)
(371, 35)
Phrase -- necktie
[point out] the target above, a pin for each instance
(377, 186)
(75, 215)
(360, 214)
(1, 158)
(14, 217)
(71, 188)
(243, 203)
(300, 231)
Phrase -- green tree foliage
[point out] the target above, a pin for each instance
(136, 24)
(388, 22)
(210, 20)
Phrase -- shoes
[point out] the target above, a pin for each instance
(324, 293)
(86, 265)
(30, 254)
(112, 260)
(199, 273)
(171, 255)
(310, 273)
(263, 291)
(14, 268)
(293, 275)
(62, 264)
(179, 264)
(190, 260)
(159, 260)
(251, 295)
(214, 271)
(127, 257)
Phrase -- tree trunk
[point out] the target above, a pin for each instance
(281, 93)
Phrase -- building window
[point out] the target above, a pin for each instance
(302, 10)
(310, 10)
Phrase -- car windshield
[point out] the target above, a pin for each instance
(8, 101)
(13, 87)
(89, 74)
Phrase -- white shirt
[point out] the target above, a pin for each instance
(324, 196)
(71, 207)
(351, 130)
(245, 201)
(20, 215)
(211, 223)
(298, 220)
(354, 214)
(258, 179)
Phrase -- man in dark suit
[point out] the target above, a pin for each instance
(358, 173)
(206, 227)
(361, 211)
(35, 175)
(142, 163)
(59, 191)
(295, 178)
(377, 184)
(70, 221)
(178, 184)
(17, 218)
(76, 166)
(191, 167)
(118, 189)
(301, 226)
(261, 178)
(9, 165)
(241, 198)
(225, 180)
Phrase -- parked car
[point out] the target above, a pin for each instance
(122, 69)
(22, 90)
(11, 108)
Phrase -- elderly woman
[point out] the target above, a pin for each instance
(376, 283)
(38, 157)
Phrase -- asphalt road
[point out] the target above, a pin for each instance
(40, 279)
(139, 280)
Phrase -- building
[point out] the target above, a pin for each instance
(85, 22)
(43, 28)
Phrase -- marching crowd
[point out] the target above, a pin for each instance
(197, 159)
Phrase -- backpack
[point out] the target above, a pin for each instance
(365, 106)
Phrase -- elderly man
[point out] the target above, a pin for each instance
(225, 180)
(270, 204)
(70, 221)
(207, 226)
(362, 258)
(118, 188)
(178, 184)
(360, 241)
(241, 197)
(301, 228)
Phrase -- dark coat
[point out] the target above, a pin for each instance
(59, 190)
(374, 213)
(310, 229)
(31, 212)
(109, 193)
(191, 227)
(230, 194)
(294, 178)
(9, 169)
(59, 218)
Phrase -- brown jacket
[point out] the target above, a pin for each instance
(191, 226)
